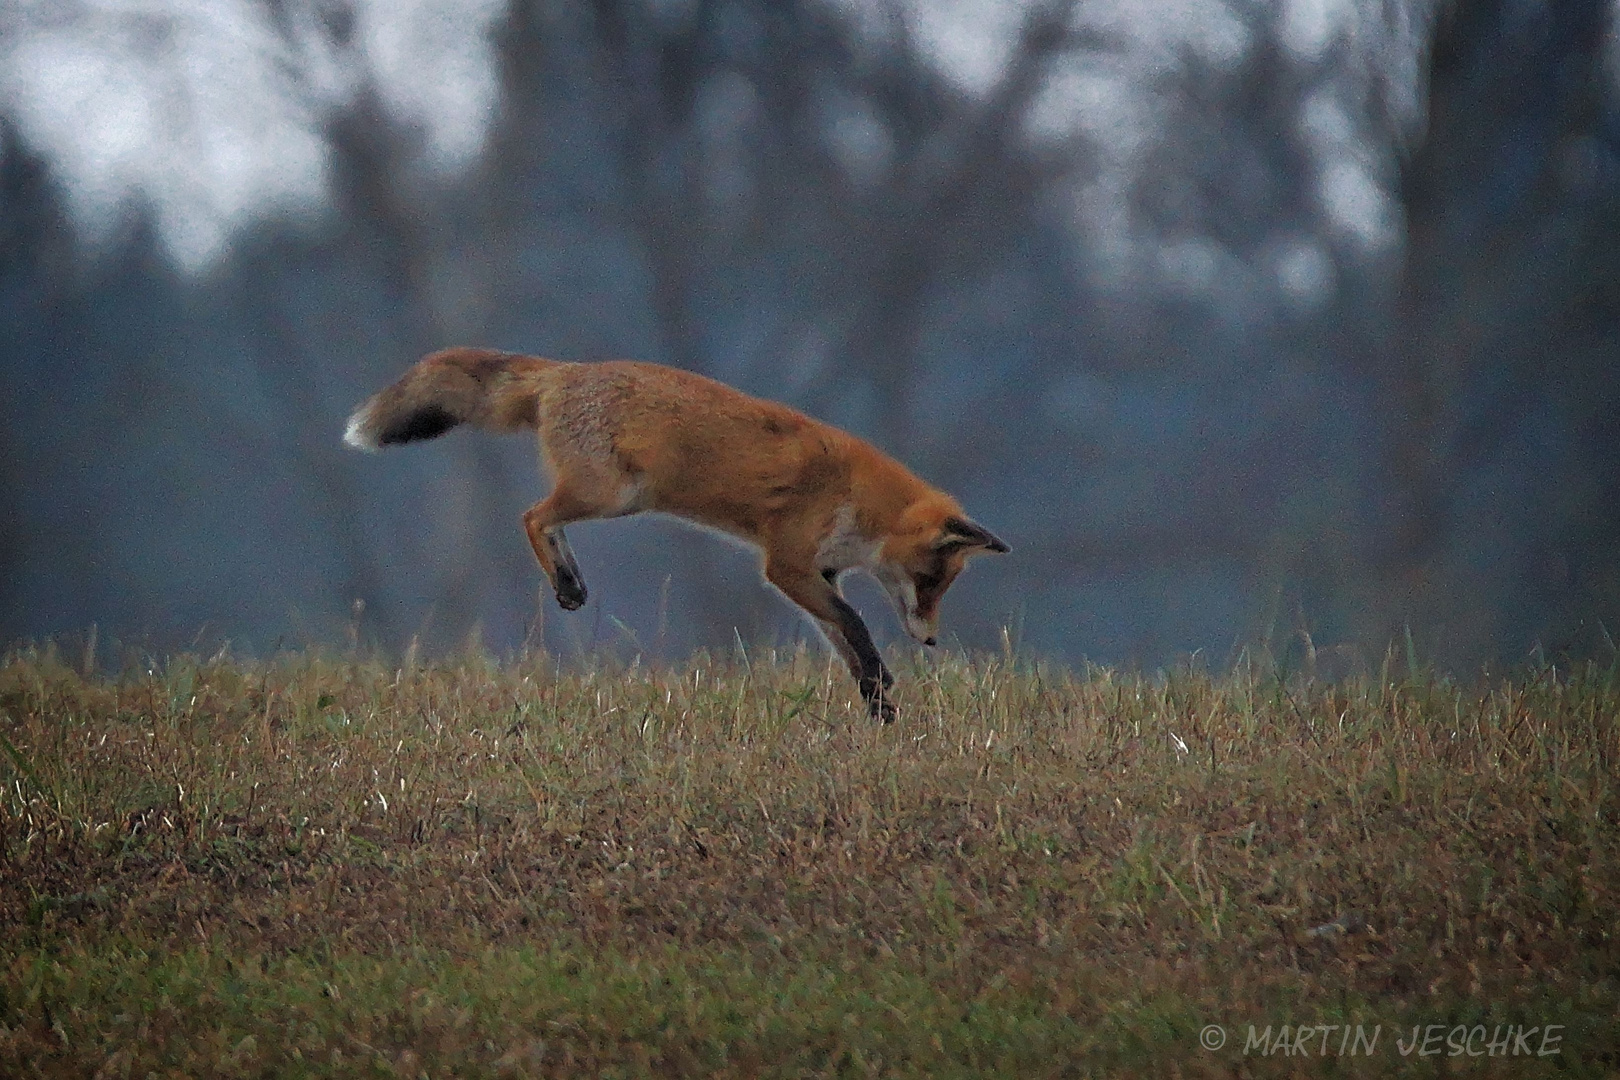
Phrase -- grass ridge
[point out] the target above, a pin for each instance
(327, 865)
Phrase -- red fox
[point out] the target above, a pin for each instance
(620, 437)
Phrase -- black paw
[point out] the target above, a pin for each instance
(879, 705)
(570, 591)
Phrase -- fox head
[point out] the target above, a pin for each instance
(919, 563)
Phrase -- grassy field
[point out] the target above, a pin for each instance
(326, 866)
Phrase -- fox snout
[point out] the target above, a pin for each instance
(902, 592)
(920, 629)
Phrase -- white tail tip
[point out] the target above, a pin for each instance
(356, 435)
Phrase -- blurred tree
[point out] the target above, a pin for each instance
(1122, 276)
(1500, 381)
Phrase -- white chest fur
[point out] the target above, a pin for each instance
(845, 548)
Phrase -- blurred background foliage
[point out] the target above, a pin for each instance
(1238, 320)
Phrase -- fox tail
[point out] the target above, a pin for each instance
(447, 389)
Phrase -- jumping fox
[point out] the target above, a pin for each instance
(621, 437)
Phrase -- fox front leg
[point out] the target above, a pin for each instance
(871, 673)
(818, 595)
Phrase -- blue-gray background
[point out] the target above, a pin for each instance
(1238, 320)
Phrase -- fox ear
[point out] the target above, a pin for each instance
(959, 532)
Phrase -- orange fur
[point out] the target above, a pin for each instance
(622, 437)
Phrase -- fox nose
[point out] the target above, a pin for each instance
(930, 641)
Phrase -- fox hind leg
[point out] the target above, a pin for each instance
(569, 582)
(543, 523)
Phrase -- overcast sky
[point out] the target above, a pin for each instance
(207, 115)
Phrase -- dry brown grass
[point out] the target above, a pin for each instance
(330, 866)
